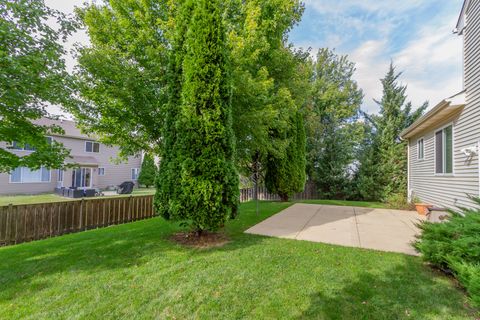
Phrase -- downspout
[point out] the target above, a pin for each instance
(409, 193)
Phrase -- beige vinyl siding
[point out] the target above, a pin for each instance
(114, 173)
(452, 190)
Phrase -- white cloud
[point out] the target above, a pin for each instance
(431, 64)
(382, 6)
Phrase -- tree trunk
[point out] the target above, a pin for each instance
(284, 197)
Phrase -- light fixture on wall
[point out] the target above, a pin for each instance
(470, 151)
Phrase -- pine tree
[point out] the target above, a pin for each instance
(387, 153)
(204, 191)
(148, 171)
(286, 174)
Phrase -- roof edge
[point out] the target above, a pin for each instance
(455, 100)
(461, 19)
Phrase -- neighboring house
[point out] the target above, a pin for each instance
(444, 144)
(95, 166)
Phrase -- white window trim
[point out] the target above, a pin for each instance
(423, 151)
(58, 175)
(34, 182)
(104, 171)
(29, 151)
(93, 142)
(137, 171)
(443, 151)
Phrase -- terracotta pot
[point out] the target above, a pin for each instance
(422, 208)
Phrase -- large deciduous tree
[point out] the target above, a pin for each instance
(205, 192)
(333, 132)
(269, 79)
(122, 74)
(32, 74)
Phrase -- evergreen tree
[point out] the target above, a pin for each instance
(286, 174)
(148, 171)
(387, 153)
(167, 182)
(205, 192)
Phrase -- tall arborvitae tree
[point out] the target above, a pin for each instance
(148, 171)
(332, 128)
(169, 168)
(206, 193)
(387, 153)
(286, 173)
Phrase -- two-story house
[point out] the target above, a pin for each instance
(444, 144)
(94, 165)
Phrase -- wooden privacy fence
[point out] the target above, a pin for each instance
(28, 222)
(22, 223)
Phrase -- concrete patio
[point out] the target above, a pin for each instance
(378, 229)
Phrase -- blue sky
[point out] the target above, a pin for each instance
(415, 34)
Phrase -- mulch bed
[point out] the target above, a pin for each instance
(204, 241)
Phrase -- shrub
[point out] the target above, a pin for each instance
(148, 171)
(399, 201)
(455, 245)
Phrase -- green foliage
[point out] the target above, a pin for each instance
(122, 74)
(148, 171)
(32, 74)
(269, 77)
(205, 192)
(286, 175)
(455, 244)
(383, 166)
(333, 132)
(399, 201)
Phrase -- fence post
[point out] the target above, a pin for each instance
(8, 230)
(81, 215)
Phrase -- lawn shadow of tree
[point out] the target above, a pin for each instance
(27, 267)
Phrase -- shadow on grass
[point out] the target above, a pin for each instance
(397, 293)
(24, 267)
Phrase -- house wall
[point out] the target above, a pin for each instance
(114, 173)
(451, 191)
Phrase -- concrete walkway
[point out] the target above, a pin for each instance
(379, 229)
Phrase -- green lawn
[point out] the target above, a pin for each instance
(346, 203)
(51, 197)
(133, 271)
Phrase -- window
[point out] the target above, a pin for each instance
(444, 151)
(91, 146)
(25, 175)
(101, 171)
(17, 146)
(420, 149)
(135, 172)
(59, 175)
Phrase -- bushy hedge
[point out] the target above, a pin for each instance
(455, 245)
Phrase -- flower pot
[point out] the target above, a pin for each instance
(423, 208)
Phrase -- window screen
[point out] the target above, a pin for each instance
(444, 150)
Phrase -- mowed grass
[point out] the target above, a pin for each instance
(134, 271)
(51, 197)
(365, 204)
